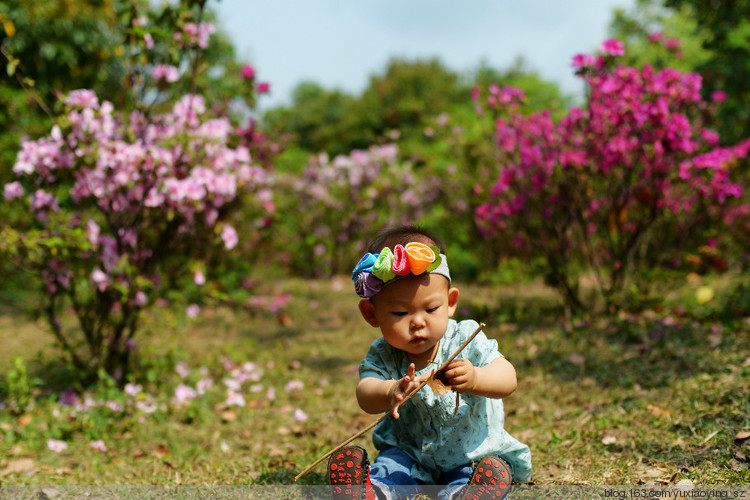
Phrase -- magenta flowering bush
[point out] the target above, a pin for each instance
(126, 207)
(634, 172)
(338, 203)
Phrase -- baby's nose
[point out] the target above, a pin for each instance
(418, 322)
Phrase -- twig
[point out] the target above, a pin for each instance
(390, 412)
(26, 87)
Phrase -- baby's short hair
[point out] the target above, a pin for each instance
(401, 236)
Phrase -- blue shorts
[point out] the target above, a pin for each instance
(390, 475)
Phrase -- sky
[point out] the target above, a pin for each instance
(340, 44)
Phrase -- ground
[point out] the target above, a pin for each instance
(648, 398)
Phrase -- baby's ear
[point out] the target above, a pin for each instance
(367, 309)
(452, 301)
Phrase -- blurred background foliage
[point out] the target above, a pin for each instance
(425, 108)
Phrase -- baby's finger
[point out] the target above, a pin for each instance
(405, 383)
(424, 376)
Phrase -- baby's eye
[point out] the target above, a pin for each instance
(398, 313)
(433, 309)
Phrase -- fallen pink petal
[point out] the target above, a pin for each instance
(56, 445)
(98, 445)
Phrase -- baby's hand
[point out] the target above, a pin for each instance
(405, 386)
(461, 375)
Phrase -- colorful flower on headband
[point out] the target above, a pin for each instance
(383, 267)
(375, 270)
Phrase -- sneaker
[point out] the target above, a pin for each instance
(349, 474)
(491, 478)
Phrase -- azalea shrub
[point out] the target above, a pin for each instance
(125, 208)
(137, 196)
(337, 204)
(624, 182)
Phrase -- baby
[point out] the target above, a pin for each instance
(433, 439)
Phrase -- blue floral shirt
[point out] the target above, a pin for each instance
(428, 430)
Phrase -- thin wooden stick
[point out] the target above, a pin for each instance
(390, 412)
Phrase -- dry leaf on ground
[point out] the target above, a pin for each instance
(19, 466)
(657, 411)
(742, 436)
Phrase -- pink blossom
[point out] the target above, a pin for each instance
(299, 415)
(198, 278)
(264, 87)
(581, 61)
(27, 157)
(271, 394)
(98, 445)
(279, 302)
(192, 310)
(93, 230)
(613, 47)
(56, 445)
(718, 96)
(247, 72)
(141, 299)
(140, 21)
(82, 98)
(710, 137)
(205, 30)
(232, 384)
(294, 385)
(672, 44)
(203, 384)
(133, 390)
(198, 33)
(13, 190)
(68, 397)
(235, 399)
(165, 72)
(114, 406)
(229, 237)
(41, 200)
(99, 279)
(655, 37)
(182, 369)
(184, 394)
(146, 406)
(148, 40)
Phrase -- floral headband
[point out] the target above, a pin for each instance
(375, 270)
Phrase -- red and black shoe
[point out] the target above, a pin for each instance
(491, 478)
(349, 474)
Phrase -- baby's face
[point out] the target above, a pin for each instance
(413, 313)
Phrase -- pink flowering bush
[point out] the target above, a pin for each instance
(126, 206)
(132, 206)
(338, 203)
(634, 173)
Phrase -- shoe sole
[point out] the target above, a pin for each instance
(491, 479)
(348, 470)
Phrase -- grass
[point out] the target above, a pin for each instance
(631, 400)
